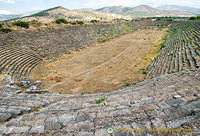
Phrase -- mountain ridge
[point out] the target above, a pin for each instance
(58, 12)
(107, 13)
(183, 8)
(143, 11)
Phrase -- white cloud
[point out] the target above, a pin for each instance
(7, 1)
(5, 12)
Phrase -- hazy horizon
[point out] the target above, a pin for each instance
(22, 6)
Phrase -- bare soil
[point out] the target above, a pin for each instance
(103, 67)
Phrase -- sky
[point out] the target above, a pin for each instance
(21, 6)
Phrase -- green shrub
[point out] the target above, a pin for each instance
(34, 21)
(21, 23)
(128, 84)
(156, 58)
(82, 93)
(93, 21)
(162, 46)
(73, 23)
(144, 71)
(6, 30)
(80, 22)
(192, 18)
(59, 21)
(1, 25)
(101, 99)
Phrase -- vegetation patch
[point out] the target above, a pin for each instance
(34, 21)
(59, 21)
(6, 30)
(101, 99)
(80, 22)
(93, 21)
(194, 18)
(128, 84)
(73, 23)
(21, 23)
(144, 71)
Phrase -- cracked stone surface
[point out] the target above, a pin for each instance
(167, 102)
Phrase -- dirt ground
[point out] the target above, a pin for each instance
(103, 67)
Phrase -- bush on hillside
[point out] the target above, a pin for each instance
(21, 23)
(6, 30)
(34, 21)
(1, 25)
(80, 22)
(73, 23)
(192, 18)
(59, 21)
(93, 21)
(195, 18)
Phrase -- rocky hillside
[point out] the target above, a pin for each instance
(71, 15)
(144, 11)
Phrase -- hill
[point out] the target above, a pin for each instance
(114, 9)
(71, 15)
(182, 8)
(143, 11)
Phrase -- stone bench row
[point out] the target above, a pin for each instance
(179, 53)
(17, 63)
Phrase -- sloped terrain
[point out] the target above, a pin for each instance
(180, 51)
(154, 107)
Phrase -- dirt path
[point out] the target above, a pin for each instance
(103, 67)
